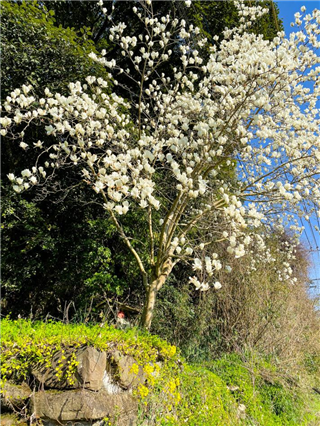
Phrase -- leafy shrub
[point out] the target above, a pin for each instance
(255, 308)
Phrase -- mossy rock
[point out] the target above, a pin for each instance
(13, 396)
(11, 420)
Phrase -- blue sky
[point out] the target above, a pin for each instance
(287, 9)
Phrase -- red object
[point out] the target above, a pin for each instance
(121, 314)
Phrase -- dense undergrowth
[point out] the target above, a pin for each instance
(235, 389)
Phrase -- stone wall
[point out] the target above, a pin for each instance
(99, 388)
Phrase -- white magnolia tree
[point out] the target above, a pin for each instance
(251, 108)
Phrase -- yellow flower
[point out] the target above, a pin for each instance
(148, 369)
(143, 390)
(134, 369)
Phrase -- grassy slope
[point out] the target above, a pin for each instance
(181, 394)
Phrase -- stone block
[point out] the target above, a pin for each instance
(127, 371)
(89, 374)
(14, 396)
(91, 368)
(11, 420)
(84, 405)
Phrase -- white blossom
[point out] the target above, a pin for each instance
(217, 285)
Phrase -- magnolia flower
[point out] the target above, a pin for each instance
(38, 144)
(98, 186)
(201, 286)
(197, 264)
(204, 287)
(17, 188)
(119, 209)
(217, 285)
(143, 204)
(24, 145)
(208, 264)
(26, 173)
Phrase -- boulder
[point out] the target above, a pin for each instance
(91, 368)
(11, 420)
(14, 396)
(89, 373)
(47, 376)
(126, 370)
(84, 405)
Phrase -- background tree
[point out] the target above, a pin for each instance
(48, 258)
(211, 17)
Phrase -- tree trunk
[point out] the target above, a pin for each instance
(149, 304)
(154, 287)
